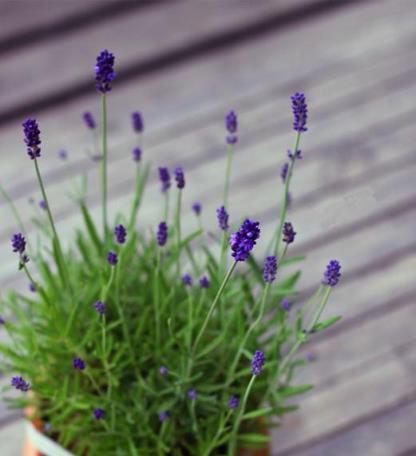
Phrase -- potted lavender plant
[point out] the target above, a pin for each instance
(137, 344)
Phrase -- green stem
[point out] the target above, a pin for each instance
(248, 333)
(178, 232)
(233, 437)
(283, 209)
(104, 160)
(213, 305)
(156, 300)
(228, 175)
(217, 434)
(52, 224)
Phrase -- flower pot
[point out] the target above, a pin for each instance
(38, 444)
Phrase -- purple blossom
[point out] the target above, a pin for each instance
(78, 363)
(99, 413)
(163, 416)
(270, 269)
(89, 120)
(297, 155)
(233, 402)
(179, 177)
(100, 307)
(231, 139)
(104, 71)
(197, 208)
(310, 357)
(163, 370)
(243, 241)
(222, 216)
(164, 177)
(18, 243)
(137, 122)
(32, 138)
(300, 112)
(187, 280)
(192, 394)
(231, 122)
(288, 233)
(112, 258)
(42, 205)
(162, 234)
(63, 154)
(120, 233)
(32, 287)
(332, 273)
(2, 320)
(283, 171)
(20, 384)
(285, 304)
(257, 362)
(204, 282)
(137, 154)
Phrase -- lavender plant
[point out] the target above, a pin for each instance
(138, 344)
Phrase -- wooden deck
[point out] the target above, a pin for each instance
(185, 64)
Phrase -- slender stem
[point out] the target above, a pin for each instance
(104, 160)
(156, 300)
(309, 327)
(190, 320)
(178, 231)
(52, 224)
(166, 210)
(213, 305)
(217, 434)
(283, 208)
(233, 437)
(228, 174)
(248, 333)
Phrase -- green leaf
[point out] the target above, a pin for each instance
(257, 413)
(287, 391)
(292, 260)
(92, 231)
(254, 438)
(212, 345)
(326, 323)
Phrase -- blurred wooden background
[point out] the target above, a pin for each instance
(184, 64)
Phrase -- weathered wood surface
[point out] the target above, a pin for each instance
(354, 193)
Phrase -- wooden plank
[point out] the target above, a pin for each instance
(320, 416)
(388, 433)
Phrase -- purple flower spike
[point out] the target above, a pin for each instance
(137, 154)
(257, 362)
(120, 233)
(104, 71)
(63, 154)
(288, 233)
(332, 273)
(300, 112)
(204, 282)
(187, 280)
(243, 241)
(32, 138)
(233, 402)
(32, 287)
(112, 258)
(42, 205)
(99, 413)
(231, 139)
(2, 320)
(100, 307)
(270, 269)
(164, 177)
(197, 208)
(285, 304)
(163, 416)
(89, 120)
(18, 243)
(137, 122)
(222, 216)
(162, 234)
(78, 363)
(20, 384)
(283, 171)
(296, 156)
(163, 370)
(192, 394)
(231, 122)
(179, 177)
